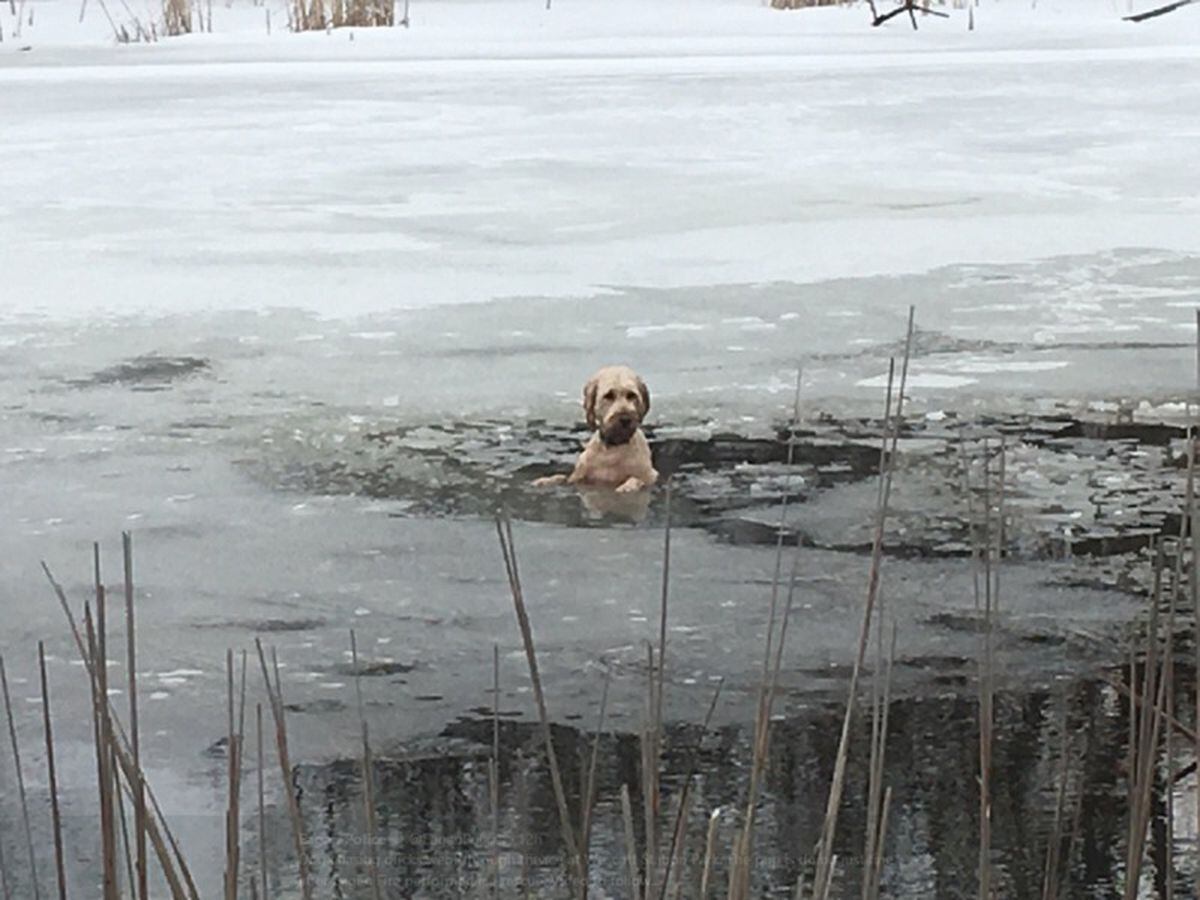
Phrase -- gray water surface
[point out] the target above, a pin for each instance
(293, 477)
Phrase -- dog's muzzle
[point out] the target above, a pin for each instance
(619, 430)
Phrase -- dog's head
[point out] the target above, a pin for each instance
(615, 401)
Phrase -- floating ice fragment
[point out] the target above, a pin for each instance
(640, 331)
(922, 380)
(985, 366)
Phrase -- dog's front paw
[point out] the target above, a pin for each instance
(550, 481)
(630, 486)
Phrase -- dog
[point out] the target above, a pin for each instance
(615, 401)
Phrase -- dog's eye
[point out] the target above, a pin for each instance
(611, 395)
(630, 395)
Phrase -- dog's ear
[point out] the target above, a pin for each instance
(589, 401)
(645, 394)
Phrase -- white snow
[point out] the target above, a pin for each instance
(499, 149)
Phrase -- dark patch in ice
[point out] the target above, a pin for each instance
(1154, 434)
(50, 418)
(268, 626)
(1074, 486)
(489, 352)
(433, 794)
(935, 663)
(316, 707)
(1114, 543)
(218, 749)
(151, 372)
(197, 425)
(374, 669)
(931, 204)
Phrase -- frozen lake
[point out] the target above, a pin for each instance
(495, 152)
(228, 261)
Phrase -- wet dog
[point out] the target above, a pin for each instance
(615, 401)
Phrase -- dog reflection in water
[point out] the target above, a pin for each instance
(605, 503)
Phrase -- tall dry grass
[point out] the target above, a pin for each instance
(319, 15)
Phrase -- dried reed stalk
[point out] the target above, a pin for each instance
(52, 776)
(368, 777)
(16, 752)
(968, 493)
(1050, 871)
(173, 864)
(279, 714)
(878, 796)
(739, 879)
(122, 821)
(588, 793)
(1192, 516)
(262, 804)
(103, 781)
(680, 825)
(823, 876)
(1001, 515)
(631, 854)
(139, 790)
(652, 731)
(710, 848)
(740, 868)
(986, 692)
(167, 853)
(508, 549)
(233, 815)
(1146, 749)
(676, 874)
(108, 824)
(1168, 712)
(494, 772)
(874, 785)
(521, 799)
(1179, 727)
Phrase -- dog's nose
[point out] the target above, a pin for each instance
(625, 419)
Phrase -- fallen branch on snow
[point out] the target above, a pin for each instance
(1160, 11)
